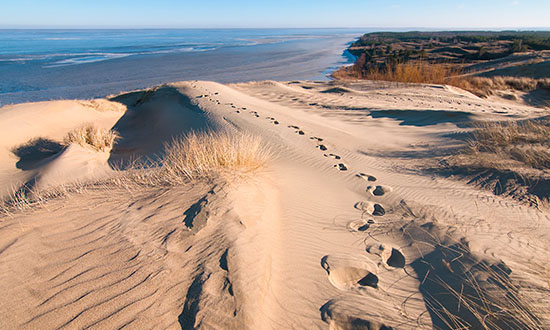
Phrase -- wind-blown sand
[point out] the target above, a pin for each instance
(341, 231)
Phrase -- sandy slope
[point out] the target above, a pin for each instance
(341, 231)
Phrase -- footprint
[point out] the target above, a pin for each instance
(370, 208)
(276, 122)
(318, 139)
(360, 225)
(391, 257)
(237, 111)
(379, 190)
(336, 313)
(348, 274)
(322, 147)
(366, 177)
(298, 131)
(341, 167)
(333, 156)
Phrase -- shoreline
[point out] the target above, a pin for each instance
(293, 59)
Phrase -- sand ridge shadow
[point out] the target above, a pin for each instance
(421, 118)
(154, 118)
(33, 153)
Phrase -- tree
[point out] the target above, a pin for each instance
(482, 51)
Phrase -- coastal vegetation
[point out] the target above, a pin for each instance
(91, 136)
(480, 62)
(207, 155)
(189, 158)
(509, 158)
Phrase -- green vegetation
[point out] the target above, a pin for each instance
(454, 58)
(384, 48)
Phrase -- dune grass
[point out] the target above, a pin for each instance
(91, 136)
(203, 155)
(527, 142)
(484, 86)
(510, 158)
(190, 158)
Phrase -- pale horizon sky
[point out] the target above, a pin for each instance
(465, 14)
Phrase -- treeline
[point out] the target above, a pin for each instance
(385, 50)
(523, 40)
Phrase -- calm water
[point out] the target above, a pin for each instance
(57, 64)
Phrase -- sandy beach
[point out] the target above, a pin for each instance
(343, 227)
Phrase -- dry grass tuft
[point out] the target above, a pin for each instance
(510, 158)
(25, 198)
(526, 142)
(90, 136)
(203, 155)
(196, 156)
(483, 87)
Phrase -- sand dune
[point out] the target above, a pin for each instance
(342, 229)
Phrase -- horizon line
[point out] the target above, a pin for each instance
(410, 28)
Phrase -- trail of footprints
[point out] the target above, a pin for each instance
(359, 275)
(345, 273)
(319, 145)
(369, 210)
(297, 129)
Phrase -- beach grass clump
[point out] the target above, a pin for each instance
(508, 158)
(526, 142)
(91, 136)
(206, 155)
(487, 86)
(193, 157)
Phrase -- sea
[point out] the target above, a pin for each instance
(39, 65)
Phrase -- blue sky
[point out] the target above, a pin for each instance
(280, 13)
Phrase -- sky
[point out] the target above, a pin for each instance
(458, 14)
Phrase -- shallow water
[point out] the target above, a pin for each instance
(40, 65)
